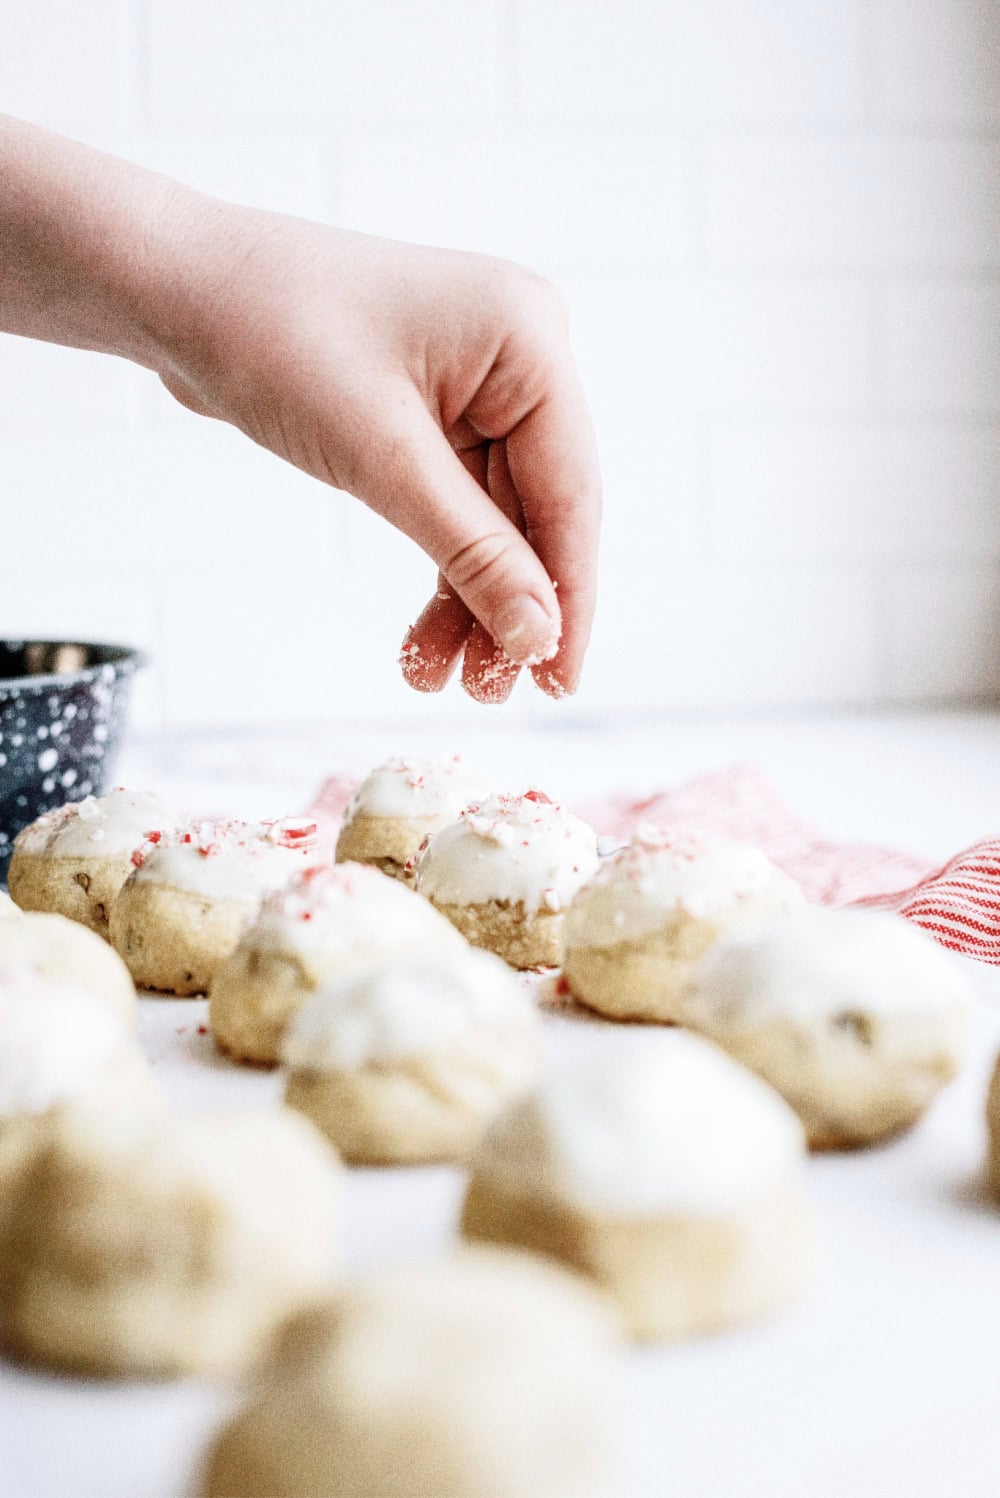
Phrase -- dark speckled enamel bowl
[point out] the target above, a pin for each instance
(62, 716)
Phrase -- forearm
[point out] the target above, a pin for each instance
(89, 247)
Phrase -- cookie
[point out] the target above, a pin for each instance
(856, 1017)
(488, 1375)
(400, 804)
(180, 912)
(74, 860)
(7, 907)
(993, 1130)
(59, 1044)
(148, 1244)
(665, 1173)
(55, 947)
(322, 921)
(504, 873)
(635, 933)
(407, 1059)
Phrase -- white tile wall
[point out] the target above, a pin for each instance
(777, 226)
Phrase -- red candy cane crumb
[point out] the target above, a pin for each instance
(562, 987)
(538, 796)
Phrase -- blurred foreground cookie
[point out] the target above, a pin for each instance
(180, 912)
(322, 921)
(487, 1375)
(59, 1044)
(856, 1017)
(402, 802)
(635, 932)
(74, 860)
(505, 872)
(664, 1172)
(993, 1127)
(54, 947)
(408, 1058)
(144, 1243)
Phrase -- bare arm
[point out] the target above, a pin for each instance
(436, 386)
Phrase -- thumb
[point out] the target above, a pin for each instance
(418, 482)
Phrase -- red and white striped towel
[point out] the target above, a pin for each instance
(959, 904)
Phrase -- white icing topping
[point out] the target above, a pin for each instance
(346, 908)
(407, 1006)
(7, 907)
(438, 788)
(658, 875)
(665, 1124)
(55, 1039)
(519, 850)
(227, 860)
(812, 964)
(98, 825)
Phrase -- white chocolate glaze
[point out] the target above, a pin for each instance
(98, 825)
(812, 964)
(515, 850)
(55, 1040)
(346, 908)
(227, 860)
(7, 907)
(419, 788)
(408, 1005)
(663, 1125)
(658, 874)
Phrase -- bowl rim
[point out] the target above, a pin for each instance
(122, 658)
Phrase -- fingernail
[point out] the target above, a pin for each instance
(527, 633)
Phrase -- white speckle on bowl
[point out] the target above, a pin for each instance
(47, 760)
(100, 732)
(67, 777)
(70, 711)
(48, 784)
(41, 732)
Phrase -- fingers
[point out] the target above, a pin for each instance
(552, 457)
(416, 481)
(433, 645)
(488, 673)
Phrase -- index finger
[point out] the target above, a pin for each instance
(552, 456)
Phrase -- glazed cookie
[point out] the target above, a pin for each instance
(74, 860)
(856, 1017)
(407, 1058)
(488, 1375)
(505, 872)
(318, 924)
(58, 1044)
(664, 1172)
(402, 802)
(144, 1243)
(180, 912)
(636, 931)
(55, 947)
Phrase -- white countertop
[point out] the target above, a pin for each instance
(884, 1381)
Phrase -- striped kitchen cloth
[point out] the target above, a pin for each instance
(958, 904)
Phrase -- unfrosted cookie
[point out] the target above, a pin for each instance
(664, 1172)
(402, 802)
(487, 1375)
(636, 931)
(74, 860)
(856, 1017)
(144, 1243)
(323, 920)
(55, 947)
(59, 1044)
(180, 912)
(408, 1058)
(505, 872)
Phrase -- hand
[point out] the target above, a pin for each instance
(436, 386)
